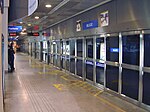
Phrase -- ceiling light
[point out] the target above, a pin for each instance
(21, 22)
(37, 17)
(29, 24)
(48, 6)
(24, 29)
(23, 33)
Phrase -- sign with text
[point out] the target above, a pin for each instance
(13, 34)
(90, 24)
(114, 50)
(33, 34)
(104, 19)
(14, 28)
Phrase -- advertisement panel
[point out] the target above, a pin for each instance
(78, 25)
(104, 19)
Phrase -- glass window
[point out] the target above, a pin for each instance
(67, 48)
(100, 73)
(48, 46)
(72, 47)
(54, 47)
(79, 67)
(112, 49)
(33, 49)
(147, 50)
(49, 58)
(131, 49)
(72, 65)
(67, 63)
(79, 48)
(100, 49)
(58, 61)
(63, 62)
(44, 45)
(58, 47)
(37, 46)
(52, 58)
(63, 47)
(112, 77)
(146, 88)
(89, 48)
(55, 60)
(89, 70)
(130, 83)
(43, 57)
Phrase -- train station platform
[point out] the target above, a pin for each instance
(38, 87)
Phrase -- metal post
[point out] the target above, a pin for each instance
(84, 56)
(120, 63)
(140, 68)
(105, 63)
(48, 43)
(94, 60)
(1, 71)
(75, 57)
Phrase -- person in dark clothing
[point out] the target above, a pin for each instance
(11, 58)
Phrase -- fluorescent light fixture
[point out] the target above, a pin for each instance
(48, 6)
(29, 24)
(24, 29)
(36, 17)
(23, 33)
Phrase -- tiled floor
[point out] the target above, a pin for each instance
(37, 87)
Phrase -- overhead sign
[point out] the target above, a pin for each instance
(33, 34)
(104, 19)
(14, 28)
(90, 24)
(13, 34)
(32, 6)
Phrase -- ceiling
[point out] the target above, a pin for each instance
(60, 10)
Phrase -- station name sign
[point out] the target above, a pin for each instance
(90, 24)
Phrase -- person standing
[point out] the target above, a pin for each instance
(11, 57)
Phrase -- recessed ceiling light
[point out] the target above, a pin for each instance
(37, 17)
(48, 6)
(29, 24)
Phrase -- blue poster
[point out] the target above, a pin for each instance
(90, 24)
